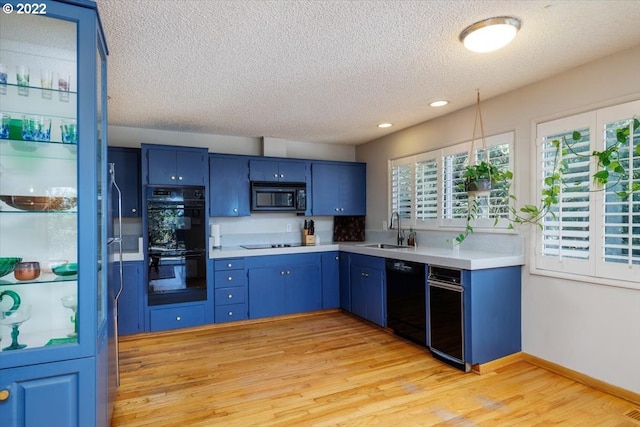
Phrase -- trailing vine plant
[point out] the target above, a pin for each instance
(610, 171)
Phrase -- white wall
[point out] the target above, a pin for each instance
(589, 328)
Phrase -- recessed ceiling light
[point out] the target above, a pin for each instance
(438, 103)
(490, 34)
(385, 125)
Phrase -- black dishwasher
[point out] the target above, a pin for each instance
(406, 301)
(446, 316)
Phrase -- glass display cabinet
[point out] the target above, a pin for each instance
(54, 328)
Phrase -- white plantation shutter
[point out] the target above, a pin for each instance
(565, 232)
(620, 220)
(426, 183)
(592, 231)
(454, 196)
(402, 186)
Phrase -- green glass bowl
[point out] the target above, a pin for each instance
(8, 264)
(68, 269)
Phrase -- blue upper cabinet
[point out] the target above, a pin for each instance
(127, 172)
(278, 170)
(169, 165)
(338, 188)
(229, 185)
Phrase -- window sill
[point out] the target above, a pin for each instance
(592, 280)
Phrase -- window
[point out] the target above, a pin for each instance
(427, 189)
(592, 231)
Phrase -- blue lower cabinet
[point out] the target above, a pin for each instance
(161, 319)
(284, 284)
(230, 290)
(345, 281)
(50, 394)
(130, 308)
(330, 280)
(492, 300)
(367, 279)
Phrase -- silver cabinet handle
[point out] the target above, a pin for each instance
(179, 178)
(288, 272)
(178, 318)
(230, 313)
(235, 209)
(281, 175)
(229, 278)
(173, 177)
(229, 265)
(230, 296)
(282, 273)
(275, 175)
(134, 210)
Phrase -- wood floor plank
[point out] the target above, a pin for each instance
(331, 369)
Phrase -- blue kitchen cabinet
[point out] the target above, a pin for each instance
(229, 191)
(130, 307)
(169, 165)
(283, 284)
(230, 290)
(345, 281)
(338, 188)
(50, 395)
(492, 315)
(58, 372)
(127, 174)
(330, 280)
(278, 170)
(175, 316)
(367, 278)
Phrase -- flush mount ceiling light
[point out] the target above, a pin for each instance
(438, 103)
(385, 125)
(490, 34)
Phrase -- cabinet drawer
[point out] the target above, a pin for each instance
(226, 296)
(229, 264)
(230, 313)
(178, 317)
(225, 279)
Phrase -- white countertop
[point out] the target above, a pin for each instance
(446, 257)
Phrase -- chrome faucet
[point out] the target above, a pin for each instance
(400, 232)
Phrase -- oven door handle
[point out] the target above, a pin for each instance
(444, 285)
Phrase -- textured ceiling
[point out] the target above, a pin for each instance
(330, 71)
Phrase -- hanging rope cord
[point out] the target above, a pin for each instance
(473, 137)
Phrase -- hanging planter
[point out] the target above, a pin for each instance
(479, 186)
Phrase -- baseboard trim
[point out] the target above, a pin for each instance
(583, 379)
(494, 365)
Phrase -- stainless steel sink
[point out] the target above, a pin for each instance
(383, 246)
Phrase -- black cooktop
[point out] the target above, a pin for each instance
(271, 245)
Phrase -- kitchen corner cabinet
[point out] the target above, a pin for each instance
(127, 173)
(283, 284)
(278, 170)
(53, 188)
(130, 307)
(338, 188)
(229, 192)
(367, 276)
(169, 165)
(330, 280)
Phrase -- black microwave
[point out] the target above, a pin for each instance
(278, 196)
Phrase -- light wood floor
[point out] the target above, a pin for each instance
(333, 369)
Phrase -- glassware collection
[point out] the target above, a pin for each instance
(38, 201)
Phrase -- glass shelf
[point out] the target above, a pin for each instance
(38, 149)
(8, 280)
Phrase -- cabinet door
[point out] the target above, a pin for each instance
(266, 291)
(49, 395)
(127, 173)
(162, 167)
(292, 171)
(345, 281)
(302, 290)
(130, 309)
(375, 296)
(353, 189)
(324, 188)
(330, 280)
(229, 186)
(264, 170)
(191, 167)
(358, 294)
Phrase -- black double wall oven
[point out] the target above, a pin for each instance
(176, 244)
